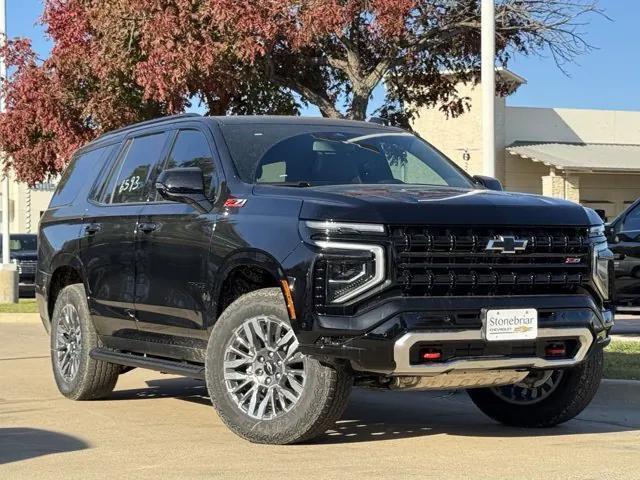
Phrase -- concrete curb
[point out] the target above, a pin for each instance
(620, 381)
(19, 318)
(625, 338)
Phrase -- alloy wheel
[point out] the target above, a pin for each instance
(264, 372)
(536, 387)
(68, 344)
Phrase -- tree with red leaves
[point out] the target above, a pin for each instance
(122, 61)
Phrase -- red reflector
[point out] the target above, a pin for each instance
(235, 202)
(556, 351)
(432, 355)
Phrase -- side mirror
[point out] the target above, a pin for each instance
(488, 182)
(608, 231)
(184, 185)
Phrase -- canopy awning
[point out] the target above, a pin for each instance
(598, 157)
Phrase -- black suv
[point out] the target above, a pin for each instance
(623, 234)
(23, 252)
(284, 260)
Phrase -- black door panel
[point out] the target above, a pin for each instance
(171, 259)
(107, 251)
(172, 252)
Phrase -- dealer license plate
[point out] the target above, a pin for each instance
(510, 324)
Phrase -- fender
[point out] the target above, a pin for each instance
(246, 257)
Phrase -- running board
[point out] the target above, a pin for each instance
(151, 363)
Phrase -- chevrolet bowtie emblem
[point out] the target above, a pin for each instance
(506, 244)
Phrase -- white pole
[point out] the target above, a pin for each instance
(5, 180)
(9, 290)
(488, 77)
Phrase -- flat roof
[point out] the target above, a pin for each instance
(601, 157)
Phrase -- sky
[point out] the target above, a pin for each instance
(606, 78)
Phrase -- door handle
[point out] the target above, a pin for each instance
(147, 227)
(92, 228)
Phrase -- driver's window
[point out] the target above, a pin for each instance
(632, 220)
(191, 149)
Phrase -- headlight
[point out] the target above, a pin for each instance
(17, 264)
(348, 270)
(329, 227)
(602, 269)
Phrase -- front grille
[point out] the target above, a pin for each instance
(28, 267)
(454, 261)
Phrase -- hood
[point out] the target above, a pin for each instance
(432, 205)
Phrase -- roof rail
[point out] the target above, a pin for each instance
(151, 122)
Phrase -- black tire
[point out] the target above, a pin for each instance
(93, 379)
(574, 391)
(323, 399)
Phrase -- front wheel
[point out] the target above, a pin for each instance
(263, 389)
(544, 398)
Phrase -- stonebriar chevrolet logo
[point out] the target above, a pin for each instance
(506, 244)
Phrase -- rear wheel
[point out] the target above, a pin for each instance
(544, 398)
(262, 387)
(77, 375)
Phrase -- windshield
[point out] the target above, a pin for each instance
(21, 243)
(310, 155)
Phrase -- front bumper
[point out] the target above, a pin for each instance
(455, 326)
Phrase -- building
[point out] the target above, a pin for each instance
(587, 156)
(26, 204)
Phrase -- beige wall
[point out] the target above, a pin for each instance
(609, 192)
(571, 125)
(453, 135)
(25, 206)
(612, 193)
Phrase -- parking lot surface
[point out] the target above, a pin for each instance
(160, 426)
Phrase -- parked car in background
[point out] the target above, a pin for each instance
(23, 251)
(624, 239)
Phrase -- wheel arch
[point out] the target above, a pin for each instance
(66, 269)
(244, 272)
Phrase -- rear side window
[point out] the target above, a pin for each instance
(191, 149)
(142, 154)
(80, 172)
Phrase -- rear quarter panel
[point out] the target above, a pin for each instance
(58, 240)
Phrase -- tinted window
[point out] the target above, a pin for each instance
(191, 149)
(81, 171)
(20, 243)
(317, 155)
(142, 154)
(632, 220)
